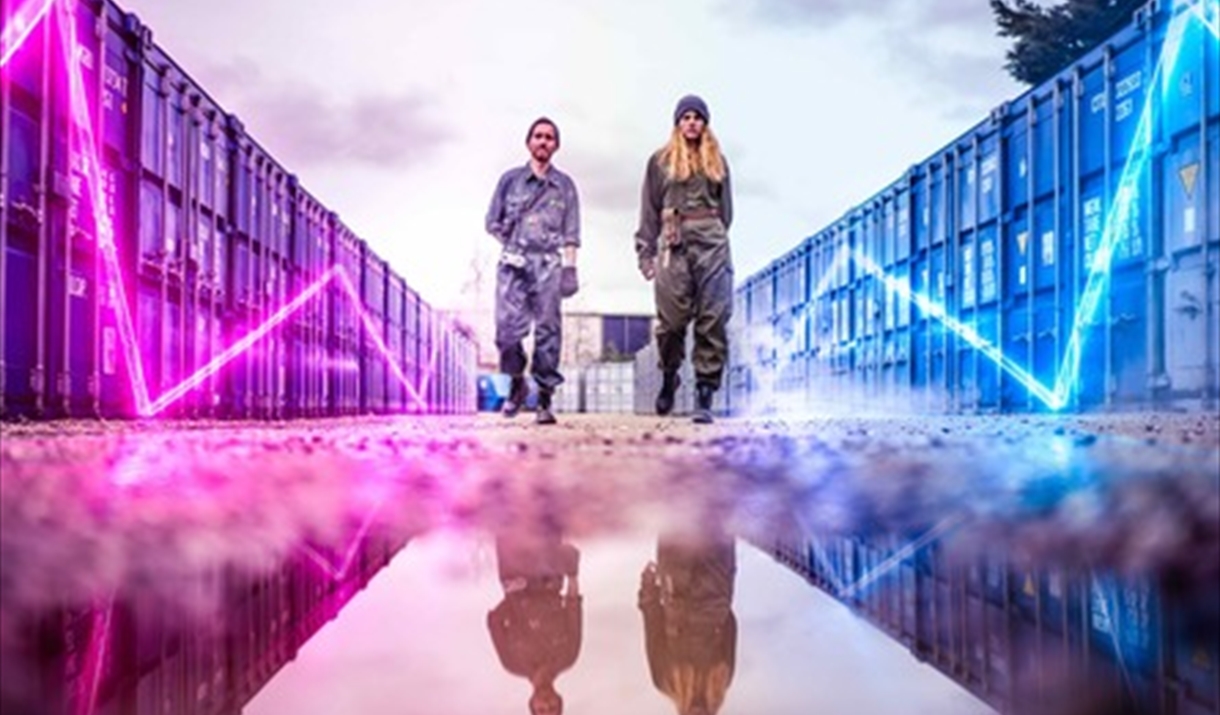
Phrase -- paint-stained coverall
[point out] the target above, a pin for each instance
(533, 218)
(694, 282)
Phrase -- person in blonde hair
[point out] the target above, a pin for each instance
(686, 208)
(690, 632)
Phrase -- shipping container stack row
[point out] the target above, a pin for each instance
(1062, 254)
(155, 660)
(218, 255)
(1023, 641)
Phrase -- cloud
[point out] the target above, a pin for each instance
(949, 47)
(303, 126)
(606, 182)
(826, 13)
(964, 83)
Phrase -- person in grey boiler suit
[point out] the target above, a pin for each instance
(535, 215)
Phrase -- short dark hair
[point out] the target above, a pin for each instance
(543, 120)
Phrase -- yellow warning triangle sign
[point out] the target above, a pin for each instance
(1022, 241)
(1029, 586)
(1188, 174)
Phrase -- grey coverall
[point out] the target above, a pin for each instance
(695, 281)
(534, 218)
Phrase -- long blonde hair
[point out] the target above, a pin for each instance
(686, 683)
(681, 162)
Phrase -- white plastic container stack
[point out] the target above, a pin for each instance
(610, 387)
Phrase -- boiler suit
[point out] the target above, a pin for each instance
(533, 218)
(695, 281)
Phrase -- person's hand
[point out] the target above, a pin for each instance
(568, 282)
(648, 268)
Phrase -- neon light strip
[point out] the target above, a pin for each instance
(1117, 217)
(965, 332)
(1202, 10)
(371, 328)
(141, 393)
(83, 124)
(17, 29)
(241, 346)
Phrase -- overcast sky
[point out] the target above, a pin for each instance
(401, 115)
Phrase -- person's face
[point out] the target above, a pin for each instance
(542, 142)
(691, 125)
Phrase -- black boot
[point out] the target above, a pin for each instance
(544, 415)
(665, 398)
(518, 393)
(703, 403)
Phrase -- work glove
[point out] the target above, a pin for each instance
(568, 283)
(648, 267)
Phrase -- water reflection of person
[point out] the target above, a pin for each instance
(536, 628)
(690, 632)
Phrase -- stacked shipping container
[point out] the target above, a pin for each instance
(213, 238)
(1063, 254)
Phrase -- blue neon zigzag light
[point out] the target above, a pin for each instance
(1058, 396)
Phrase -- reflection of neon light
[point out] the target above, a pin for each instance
(898, 557)
(95, 658)
(1119, 651)
(17, 28)
(349, 557)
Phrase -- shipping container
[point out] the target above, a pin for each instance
(1061, 254)
(206, 239)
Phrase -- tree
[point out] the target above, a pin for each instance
(1047, 39)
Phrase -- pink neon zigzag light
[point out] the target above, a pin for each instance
(17, 30)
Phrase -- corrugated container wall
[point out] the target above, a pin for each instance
(1063, 254)
(213, 285)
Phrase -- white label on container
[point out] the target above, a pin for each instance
(1021, 276)
(1188, 219)
(1129, 84)
(109, 356)
(1022, 168)
(78, 287)
(1048, 248)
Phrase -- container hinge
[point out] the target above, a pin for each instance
(1158, 265)
(37, 380)
(1144, 14)
(1160, 381)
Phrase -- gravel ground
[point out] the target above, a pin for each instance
(150, 509)
(89, 507)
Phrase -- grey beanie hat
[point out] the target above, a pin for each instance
(692, 102)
